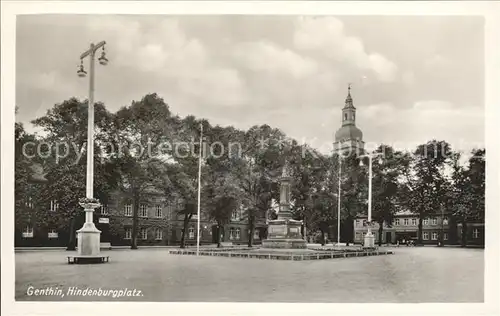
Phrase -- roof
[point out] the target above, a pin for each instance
(348, 132)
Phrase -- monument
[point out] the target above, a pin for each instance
(284, 232)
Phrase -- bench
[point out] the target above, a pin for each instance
(87, 259)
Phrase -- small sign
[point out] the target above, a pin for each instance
(103, 220)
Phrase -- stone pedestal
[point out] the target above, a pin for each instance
(369, 241)
(89, 240)
(89, 237)
(284, 234)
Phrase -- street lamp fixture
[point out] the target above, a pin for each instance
(103, 60)
(81, 71)
(369, 241)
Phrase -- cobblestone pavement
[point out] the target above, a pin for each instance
(416, 274)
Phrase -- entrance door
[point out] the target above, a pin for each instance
(388, 237)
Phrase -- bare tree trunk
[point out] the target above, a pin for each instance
(251, 229)
(322, 237)
(464, 233)
(380, 233)
(420, 222)
(187, 218)
(135, 222)
(72, 239)
(219, 228)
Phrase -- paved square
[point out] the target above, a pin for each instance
(420, 274)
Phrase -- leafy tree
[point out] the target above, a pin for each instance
(385, 187)
(314, 192)
(64, 162)
(425, 180)
(221, 196)
(467, 190)
(259, 168)
(144, 123)
(26, 175)
(354, 194)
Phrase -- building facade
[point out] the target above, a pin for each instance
(405, 227)
(159, 223)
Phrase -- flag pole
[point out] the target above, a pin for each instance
(199, 193)
(338, 198)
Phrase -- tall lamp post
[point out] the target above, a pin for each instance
(199, 193)
(89, 236)
(338, 200)
(369, 240)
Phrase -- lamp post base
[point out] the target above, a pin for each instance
(89, 237)
(369, 241)
(89, 240)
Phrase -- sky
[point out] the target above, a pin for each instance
(414, 78)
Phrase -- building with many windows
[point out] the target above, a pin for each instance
(405, 227)
(159, 223)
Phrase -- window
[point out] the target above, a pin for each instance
(191, 233)
(353, 116)
(358, 223)
(159, 212)
(434, 221)
(475, 233)
(345, 116)
(445, 221)
(405, 221)
(425, 236)
(426, 221)
(104, 210)
(159, 234)
(143, 211)
(445, 236)
(128, 233)
(434, 236)
(144, 233)
(28, 232)
(396, 222)
(234, 233)
(53, 205)
(358, 236)
(235, 215)
(128, 210)
(256, 234)
(29, 202)
(53, 233)
(414, 222)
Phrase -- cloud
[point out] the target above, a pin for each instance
(269, 58)
(288, 72)
(333, 43)
(437, 63)
(48, 81)
(424, 121)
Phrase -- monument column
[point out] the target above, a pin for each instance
(284, 232)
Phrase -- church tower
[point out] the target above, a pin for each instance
(348, 138)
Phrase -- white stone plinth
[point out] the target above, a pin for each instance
(369, 240)
(89, 240)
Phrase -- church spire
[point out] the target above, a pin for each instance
(348, 100)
